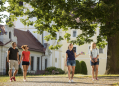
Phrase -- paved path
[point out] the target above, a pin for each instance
(62, 81)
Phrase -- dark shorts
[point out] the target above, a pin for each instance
(95, 63)
(71, 63)
(25, 63)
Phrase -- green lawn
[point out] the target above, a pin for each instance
(6, 78)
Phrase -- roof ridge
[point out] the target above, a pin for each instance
(35, 38)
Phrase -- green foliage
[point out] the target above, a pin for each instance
(78, 67)
(83, 67)
(54, 70)
(20, 71)
(84, 15)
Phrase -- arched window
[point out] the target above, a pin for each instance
(9, 35)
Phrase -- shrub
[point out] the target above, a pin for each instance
(78, 67)
(60, 71)
(54, 70)
(50, 69)
(84, 67)
(20, 71)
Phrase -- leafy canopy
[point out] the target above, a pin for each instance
(85, 15)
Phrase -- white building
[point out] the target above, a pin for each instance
(39, 53)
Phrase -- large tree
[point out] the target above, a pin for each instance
(85, 15)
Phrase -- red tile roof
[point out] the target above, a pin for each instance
(1, 43)
(26, 38)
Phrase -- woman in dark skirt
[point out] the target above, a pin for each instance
(26, 61)
(70, 61)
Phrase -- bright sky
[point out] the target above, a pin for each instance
(6, 13)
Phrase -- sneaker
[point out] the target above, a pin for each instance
(72, 81)
(97, 79)
(24, 80)
(93, 79)
(10, 79)
(14, 78)
(69, 81)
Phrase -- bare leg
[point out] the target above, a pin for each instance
(96, 71)
(93, 71)
(69, 70)
(24, 71)
(73, 71)
(10, 73)
(27, 68)
(15, 72)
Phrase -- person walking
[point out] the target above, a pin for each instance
(26, 60)
(94, 60)
(13, 59)
(70, 61)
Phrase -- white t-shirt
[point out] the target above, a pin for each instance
(95, 53)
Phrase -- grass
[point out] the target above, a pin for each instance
(116, 84)
(6, 78)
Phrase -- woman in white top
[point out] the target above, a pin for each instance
(94, 54)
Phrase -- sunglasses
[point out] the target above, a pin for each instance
(27, 46)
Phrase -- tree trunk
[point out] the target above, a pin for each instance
(113, 55)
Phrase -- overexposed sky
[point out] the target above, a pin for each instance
(5, 13)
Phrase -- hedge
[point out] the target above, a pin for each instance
(83, 67)
(78, 67)
(54, 70)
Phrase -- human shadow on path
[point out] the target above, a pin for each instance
(54, 77)
(67, 82)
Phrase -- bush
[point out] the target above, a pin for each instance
(20, 71)
(78, 67)
(54, 70)
(84, 67)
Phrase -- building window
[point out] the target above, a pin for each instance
(74, 33)
(32, 62)
(20, 3)
(74, 48)
(45, 63)
(100, 50)
(55, 59)
(56, 37)
(9, 35)
(89, 49)
(38, 63)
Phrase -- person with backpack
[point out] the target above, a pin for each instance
(70, 60)
(26, 60)
(94, 60)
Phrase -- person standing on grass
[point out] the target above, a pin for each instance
(25, 60)
(70, 60)
(94, 54)
(13, 59)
